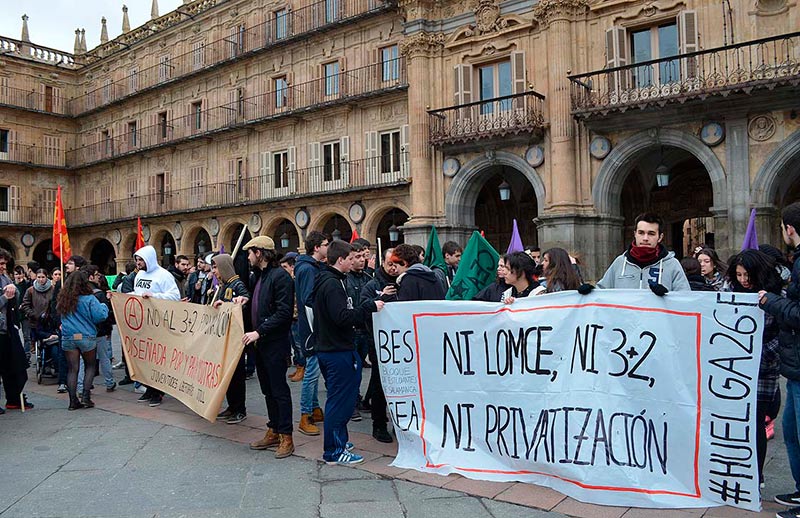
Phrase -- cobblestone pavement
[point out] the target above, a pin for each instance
(129, 460)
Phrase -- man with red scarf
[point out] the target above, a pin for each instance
(646, 263)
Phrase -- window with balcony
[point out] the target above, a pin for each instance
(280, 87)
(164, 68)
(654, 43)
(163, 126)
(280, 168)
(494, 80)
(106, 91)
(4, 196)
(390, 152)
(390, 64)
(105, 142)
(331, 78)
(5, 142)
(331, 161)
(198, 55)
(133, 191)
(281, 23)
(133, 79)
(49, 101)
(133, 134)
(236, 40)
(196, 115)
(331, 11)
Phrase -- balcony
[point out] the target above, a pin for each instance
(40, 102)
(345, 87)
(759, 64)
(381, 171)
(32, 155)
(14, 214)
(35, 52)
(496, 118)
(296, 25)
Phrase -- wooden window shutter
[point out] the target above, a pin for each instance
(292, 158)
(518, 72)
(463, 84)
(313, 154)
(688, 41)
(371, 152)
(616, 56)
(404, 150)
(14, 198)
(344, 154)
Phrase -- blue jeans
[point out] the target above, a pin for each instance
(791, 428)
(104, 355)
(342, 371)
(309, 394)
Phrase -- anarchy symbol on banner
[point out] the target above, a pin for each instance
(134, 314)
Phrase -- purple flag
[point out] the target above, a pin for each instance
(222, 249)
(750, 238)
(516, 241)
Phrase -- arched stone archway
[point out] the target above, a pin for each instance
(43, 254)
(285, 233)
(164, 243)
(331, 220)
(103, 255)
(369, 229)
(196, 241)
(607, 188)
(6, 245)
(776, 185)
(229, 233)
(461, 197)
(394, 217)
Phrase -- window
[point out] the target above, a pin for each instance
(197, 115)
(52, 150)
(133, 79)
(390, 152)
(390, 64)
(281, 23)
(331, 160)
(280, 166)
(196, 180)
(331, 10)
(236, 40)
(4, 198)
(198, 55)
(331, 78)
(655, 43)
(106, 95)
(133, 191)
(47, 200)
(162, 125)
(240, 102)
(105, 142)
(48, 98)
(281, 92)
(4, 141)
(495, 81)
(161, 185)
(133, 134)
(164, 68)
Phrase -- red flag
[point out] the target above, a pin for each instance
(483, 235)
(139, 234)
(60, 237)
(354, 236)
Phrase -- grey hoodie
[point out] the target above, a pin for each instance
(154, 279)
(623, 274)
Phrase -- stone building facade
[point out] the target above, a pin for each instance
(359, 115)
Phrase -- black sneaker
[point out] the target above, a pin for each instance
(382, 435)
(125, 381)
(144, 398)
(112, 388)
(236, 418)
(356, 416)
(225, 415)
(156, 400)
(789, 513)
(792, 499)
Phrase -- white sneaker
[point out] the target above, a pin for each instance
(141, 389)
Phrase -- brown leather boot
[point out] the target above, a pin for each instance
(286, 446)
(298, 374)
(270, 439)
(307, 426)
(317, 415)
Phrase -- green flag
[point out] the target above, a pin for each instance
(477, 269)
(433, 252)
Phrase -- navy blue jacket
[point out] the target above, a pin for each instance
(305, 275)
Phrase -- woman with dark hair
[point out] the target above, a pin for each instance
(750, 272)
(712, 269)
(520, 272)
(494, 291)
(80, 313)
(558, 271)
(783, 266)
(691, 267)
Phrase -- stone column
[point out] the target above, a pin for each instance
(121, 262)
(557, 16)
(737, 168)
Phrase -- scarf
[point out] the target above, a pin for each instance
(644, 255)
(42, 288)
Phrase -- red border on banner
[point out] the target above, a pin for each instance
(697, 316)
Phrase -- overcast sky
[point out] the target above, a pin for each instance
(52, 23)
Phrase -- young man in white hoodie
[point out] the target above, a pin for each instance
(153, 281)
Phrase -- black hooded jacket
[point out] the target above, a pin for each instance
(275, 306)
(335, 314)
(786, 311)
(419, 283)
(372, 291)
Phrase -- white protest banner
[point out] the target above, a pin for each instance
(618, 397)
(188, 351)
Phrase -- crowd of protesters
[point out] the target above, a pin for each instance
(313, 311)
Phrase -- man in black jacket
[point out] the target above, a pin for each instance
(786, 311)
(382, 287)
(340, 363)
(415, 281)
(271, 314)
(179, 270)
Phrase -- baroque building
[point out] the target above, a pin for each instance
(283, 116)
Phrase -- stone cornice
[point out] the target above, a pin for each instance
(422, 44)
(547, 11)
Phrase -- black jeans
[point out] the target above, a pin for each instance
(12, 372)
(237, 390)
(375, 391)
(271, 366)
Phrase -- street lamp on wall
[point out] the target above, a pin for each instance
(284, 240)
(201, 246)
(505, 191)
(336, 235)
(394, 233)
(662, 175)
(167, 249)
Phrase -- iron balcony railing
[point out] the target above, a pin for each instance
(43, 102)
(291, 100)
(763, 63)
(15, 214)
(373, 172)
(488, 118)
(32, 155)
(278, 30)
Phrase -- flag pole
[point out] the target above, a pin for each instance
(380, 250)
(233, 255)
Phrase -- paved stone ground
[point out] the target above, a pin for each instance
(167, 462)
